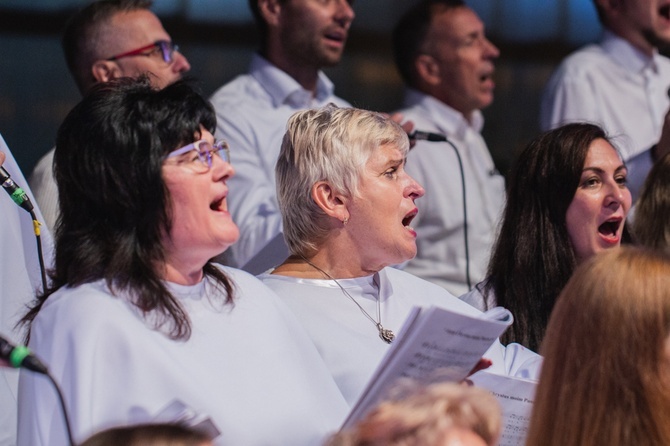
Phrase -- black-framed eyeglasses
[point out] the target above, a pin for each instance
(205, 153)
(166, 48)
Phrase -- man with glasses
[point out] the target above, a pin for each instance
(447, 63)
(298, 39)
(106, 40)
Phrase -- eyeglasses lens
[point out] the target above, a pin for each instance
(167, 50)
(206, 151)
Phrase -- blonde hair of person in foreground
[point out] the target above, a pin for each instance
(443, 414)
(606, 373)
(149, 435)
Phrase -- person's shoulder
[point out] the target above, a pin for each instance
(239, 276)
(419, 115)
(402, 278)
(475, 298)
(409, 279)
(44, 165)
(247, 285)
(283, 286)
(242, 90)
(81, 299)
(583, 61)
(425, 292)
(664, 63)
(83, 310)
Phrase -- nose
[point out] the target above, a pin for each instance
(180, 63)
(492, 51)
(617, 195)
(345, 13)
(221, 170)
(414, 190)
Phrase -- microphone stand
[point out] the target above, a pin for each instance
(436, 137)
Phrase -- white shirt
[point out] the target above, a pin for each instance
(439, 224)
(476, 298)
(43, 184)
(614, 85)
(349, 342)
(19, 278)
(249, 367)
(252, 112)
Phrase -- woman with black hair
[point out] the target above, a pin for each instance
(566, 201)
(138, 322)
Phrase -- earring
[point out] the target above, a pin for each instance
(345, 221)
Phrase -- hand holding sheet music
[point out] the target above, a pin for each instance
(434, 344)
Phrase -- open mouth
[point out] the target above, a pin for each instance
(338, 36)
(664, 11)
(217, 205)
(610, 228)
(408, 218)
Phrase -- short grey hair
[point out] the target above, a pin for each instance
(327, 144)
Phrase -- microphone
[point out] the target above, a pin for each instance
(419, 135)
(20, 197)
(17, 194)
(19, 356)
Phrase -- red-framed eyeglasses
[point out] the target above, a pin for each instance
(166, 48)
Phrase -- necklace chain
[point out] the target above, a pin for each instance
(385, 334)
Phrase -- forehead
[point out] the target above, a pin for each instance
(601, 153)
(385, 154)
(456, 23)
(128, 30)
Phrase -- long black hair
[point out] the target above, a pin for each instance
(533, 257)
(114, 205)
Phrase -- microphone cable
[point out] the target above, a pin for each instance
(20, 197)
(418, 135)
(40, 254)
(21, 357)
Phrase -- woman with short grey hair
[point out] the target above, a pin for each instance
(347, 206)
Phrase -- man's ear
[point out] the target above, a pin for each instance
(105, 70)
(270, 10)
(427, 70)
(332, 203)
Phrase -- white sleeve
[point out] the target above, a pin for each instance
(514, 360)
(252, 200)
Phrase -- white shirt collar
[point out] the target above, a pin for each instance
(282, 88)
(448, 119)
(626, 55)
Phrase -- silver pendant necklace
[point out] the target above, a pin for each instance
(385, 334)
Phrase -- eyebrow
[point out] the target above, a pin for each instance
(396, 162)
(599, 170)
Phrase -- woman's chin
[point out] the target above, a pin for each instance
(406, 254)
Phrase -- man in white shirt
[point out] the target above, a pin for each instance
(19, 278)
(298, 38)
(106, 40)
(447, 62)
(620, 83)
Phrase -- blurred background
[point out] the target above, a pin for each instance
(218, 37)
